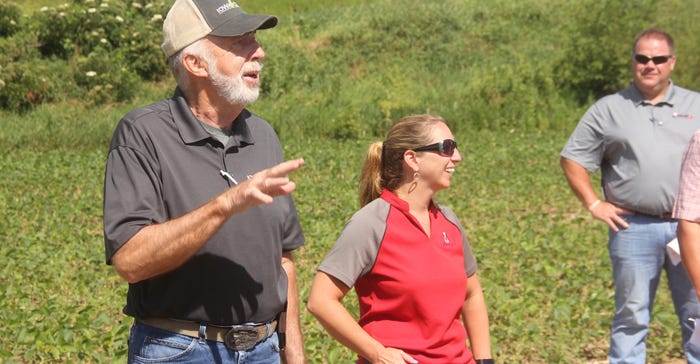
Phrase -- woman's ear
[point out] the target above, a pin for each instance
(411, 159)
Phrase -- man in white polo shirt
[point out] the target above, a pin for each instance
(198, 215)
(637, 137)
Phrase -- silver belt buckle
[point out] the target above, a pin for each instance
(241, 338)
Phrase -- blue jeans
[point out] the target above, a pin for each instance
(638, 255)
(152, 345)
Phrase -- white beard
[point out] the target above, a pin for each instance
(234, 89)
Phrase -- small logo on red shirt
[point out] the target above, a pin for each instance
(444, 237)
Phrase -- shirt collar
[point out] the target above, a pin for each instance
(191, 131)
(402, 205)
(640, 100)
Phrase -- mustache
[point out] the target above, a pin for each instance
(252, 66)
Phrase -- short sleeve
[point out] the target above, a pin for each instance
(132, 193)
(585, 146)
(355, 251)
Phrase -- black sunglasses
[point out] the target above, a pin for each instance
(445, 148)
(642, 59)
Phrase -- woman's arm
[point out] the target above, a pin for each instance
(476, 319)
(325, 303)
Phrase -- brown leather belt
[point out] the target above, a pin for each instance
(239, 337)
(666, 216)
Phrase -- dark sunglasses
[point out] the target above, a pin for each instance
(445, 148)
(642, 59)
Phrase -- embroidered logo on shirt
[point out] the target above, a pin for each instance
(683, 116)
(444, 237)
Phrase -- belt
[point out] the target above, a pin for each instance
(666, 216)
(238, 337)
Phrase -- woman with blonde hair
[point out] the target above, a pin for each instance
(407, 258)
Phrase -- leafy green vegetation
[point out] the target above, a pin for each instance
(543, 261)
(511, 77)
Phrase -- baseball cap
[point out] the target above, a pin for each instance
(190, 20)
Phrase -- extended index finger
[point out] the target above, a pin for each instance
(285, 168)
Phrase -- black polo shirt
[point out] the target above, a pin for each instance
(161, 165)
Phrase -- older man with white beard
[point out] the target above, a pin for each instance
(198, 213)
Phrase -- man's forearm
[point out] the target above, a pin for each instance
(579, 181)
(160, 248)
(689, 242)
(294, 350)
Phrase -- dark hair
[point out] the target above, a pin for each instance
(654, 33)
(383, 167)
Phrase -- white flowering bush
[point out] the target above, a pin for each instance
(25, 78)
(20, 89)
(9, 19)
(104, 78)
(107, 47)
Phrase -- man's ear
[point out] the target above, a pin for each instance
(195, 65)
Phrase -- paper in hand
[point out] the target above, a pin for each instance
(695, 338)
(674, 251)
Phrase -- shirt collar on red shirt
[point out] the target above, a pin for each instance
(402, 205)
